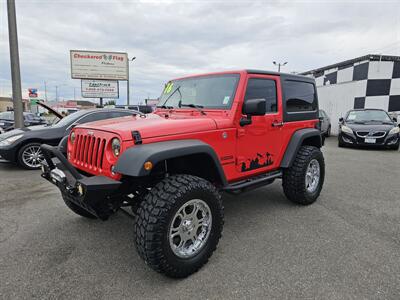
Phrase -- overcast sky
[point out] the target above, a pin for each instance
(172, 39)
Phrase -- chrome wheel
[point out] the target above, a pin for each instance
(32, 156)
(313, 175)
(190, 228)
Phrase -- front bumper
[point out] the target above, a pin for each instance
(352, 139)
(8, 153)
(99, 195)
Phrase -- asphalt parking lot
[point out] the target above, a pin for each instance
(345, 246)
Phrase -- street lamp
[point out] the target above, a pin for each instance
(58, 90)
(127, 88)
(279, 65)
(57, 86)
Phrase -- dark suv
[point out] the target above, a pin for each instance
(368, 127)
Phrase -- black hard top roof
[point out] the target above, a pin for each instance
(286, 76)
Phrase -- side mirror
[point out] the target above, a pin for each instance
(255, 107)
(341, 120)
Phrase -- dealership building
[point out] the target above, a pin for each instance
(370, 81)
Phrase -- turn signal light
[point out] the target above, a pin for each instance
(148, 165)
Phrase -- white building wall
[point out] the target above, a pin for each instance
(337, 99)
(380, 69)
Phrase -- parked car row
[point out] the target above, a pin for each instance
(170, 166)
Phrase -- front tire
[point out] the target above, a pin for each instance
(30, 156)
(328, 132)
(303, 181)
(395, 146)
(340, 142)
(179, 224)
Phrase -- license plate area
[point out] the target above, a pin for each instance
(370, 141)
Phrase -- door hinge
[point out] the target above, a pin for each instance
(241, 132)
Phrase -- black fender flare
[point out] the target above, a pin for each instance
(132, 160)
(296, 141)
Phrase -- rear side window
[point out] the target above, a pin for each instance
(258, 88)
(300, 96)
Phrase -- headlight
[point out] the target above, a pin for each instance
(347, 129)
(72, 137)
(394, 130)
(10, 140)
(116, 146)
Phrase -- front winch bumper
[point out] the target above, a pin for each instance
(99, 195)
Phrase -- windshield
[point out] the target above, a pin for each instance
(216, 91)
(7, 115)
(363, 116)
(68, 120)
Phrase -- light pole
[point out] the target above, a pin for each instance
(57, 90)
(45, 90)
(279, 65)
(14, 59)
(127, 84)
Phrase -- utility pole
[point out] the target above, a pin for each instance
(15, 71)
(127, 84)
(45, 90)
(279, 65)
(56, 93)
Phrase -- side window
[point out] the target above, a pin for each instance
(93, 117)
(300, 96)
(258, 88)
(120, 114)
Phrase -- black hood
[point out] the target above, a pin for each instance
(30, 132)
(370, 126)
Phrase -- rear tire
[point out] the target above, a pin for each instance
(303, 181)
(77, 209)
(175, 235)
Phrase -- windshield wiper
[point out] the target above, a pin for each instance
(381, 121)
(198, 107)
(166, 107)
(169, 97)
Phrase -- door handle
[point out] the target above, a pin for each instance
(277, 124)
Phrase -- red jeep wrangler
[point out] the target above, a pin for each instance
(221, 132)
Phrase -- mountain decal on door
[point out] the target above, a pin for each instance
(260, 161)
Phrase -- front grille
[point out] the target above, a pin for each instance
(371, 134)
(89, 151)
